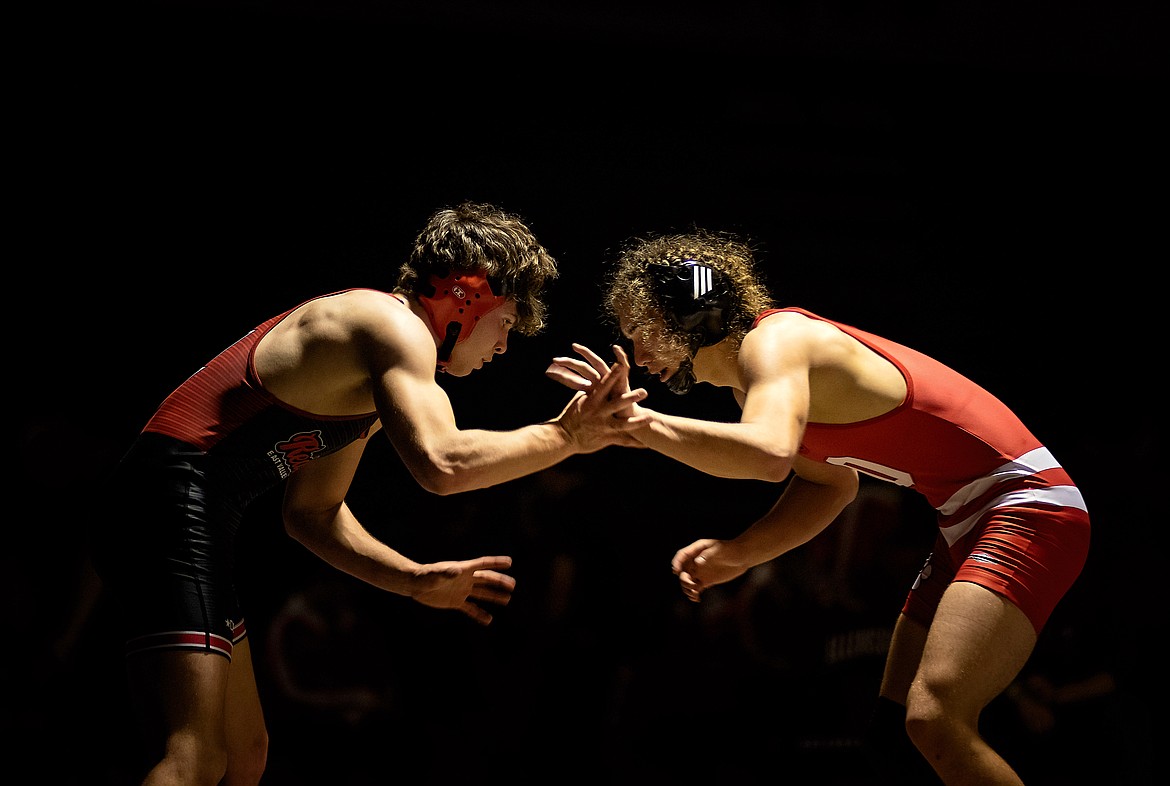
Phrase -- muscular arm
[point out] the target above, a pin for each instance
(812, 499)
(399, 357)
(774, 375)
(364, 350)
(445, 459)
(316, 515)
(755, 448)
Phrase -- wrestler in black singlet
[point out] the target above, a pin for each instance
(214, 445)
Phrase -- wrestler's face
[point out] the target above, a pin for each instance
(654, 349)
(488, 338)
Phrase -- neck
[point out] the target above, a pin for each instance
(716, 365)
(417, 308)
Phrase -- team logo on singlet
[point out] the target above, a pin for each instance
(289, 455)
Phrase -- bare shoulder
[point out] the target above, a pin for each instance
(847, 381)
(794, 324)
(787, 335)
(350, 312)
(358, 319)
(323, 357)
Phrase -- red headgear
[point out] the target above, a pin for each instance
(454, 304)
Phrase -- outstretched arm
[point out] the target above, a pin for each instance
(760, 446)
(417, 416)
(445, 459)
(316, 515)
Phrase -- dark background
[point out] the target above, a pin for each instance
(985, 183)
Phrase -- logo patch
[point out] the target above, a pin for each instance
(295, 451)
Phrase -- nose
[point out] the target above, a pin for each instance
(502, 345)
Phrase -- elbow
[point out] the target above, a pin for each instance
(848, 490)
(773, 467)
(844, 487)
(298, 527)
(310, 525)
(441, 484)
(438, 479)
(774, 472)
(442, 466)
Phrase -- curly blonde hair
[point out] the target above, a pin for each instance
(476, 236)
(631, 295)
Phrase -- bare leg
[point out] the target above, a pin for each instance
(902, 661)
(247, 736)
(892, 756)
(976, 646)
(181, 699)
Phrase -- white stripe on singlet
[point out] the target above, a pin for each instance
(1061, 496)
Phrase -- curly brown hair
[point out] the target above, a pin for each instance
(630, 294)
(476, 236)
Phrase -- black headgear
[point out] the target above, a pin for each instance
(693, 297)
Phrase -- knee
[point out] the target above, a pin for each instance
(247, 761)
(186, 757)
(929, 725)
(192, 766)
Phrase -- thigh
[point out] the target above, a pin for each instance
(180, 697)
(245, 717)
(1029, 555)
(903, 658)
(975, 647)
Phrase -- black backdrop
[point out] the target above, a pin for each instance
(984, 184)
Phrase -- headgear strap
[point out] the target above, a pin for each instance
(454, 304)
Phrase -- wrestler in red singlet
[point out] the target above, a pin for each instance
(1010, 518)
